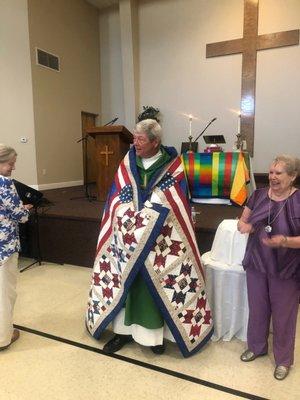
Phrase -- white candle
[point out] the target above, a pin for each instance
(190, 120)
(239, 124)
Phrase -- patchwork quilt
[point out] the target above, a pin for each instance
(151, 232)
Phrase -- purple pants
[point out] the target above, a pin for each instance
(279, 298)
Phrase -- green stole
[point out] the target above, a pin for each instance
(140, 307)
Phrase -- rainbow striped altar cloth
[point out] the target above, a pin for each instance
(218, 175)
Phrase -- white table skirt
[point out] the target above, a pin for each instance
(227, 294)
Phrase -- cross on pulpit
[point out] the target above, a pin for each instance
(106, 153)
(248, 45)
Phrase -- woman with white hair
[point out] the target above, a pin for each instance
(12, 212)
(272, 264)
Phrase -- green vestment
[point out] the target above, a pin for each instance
(140, 307)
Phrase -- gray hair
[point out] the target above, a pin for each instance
(6, 153)
(292, 164)
(151, 128)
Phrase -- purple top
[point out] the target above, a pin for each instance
(280, 262)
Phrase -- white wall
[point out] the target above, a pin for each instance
(176, 77)
(112, 102)
(16, 103)
(41, 105)
(175, 74)
(277, 85)
(70, 30)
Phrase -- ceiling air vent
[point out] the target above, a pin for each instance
(47, 60)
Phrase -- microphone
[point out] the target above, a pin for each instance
(112, 121)
(201, 133)
(81, 139)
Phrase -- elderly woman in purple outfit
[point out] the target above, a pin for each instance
(272, 264)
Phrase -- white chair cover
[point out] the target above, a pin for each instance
(229, 244)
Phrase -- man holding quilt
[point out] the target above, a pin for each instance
(147, 278)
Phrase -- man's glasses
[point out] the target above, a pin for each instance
(140, 139)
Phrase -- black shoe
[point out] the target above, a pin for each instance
(160, 349)
(116, 343)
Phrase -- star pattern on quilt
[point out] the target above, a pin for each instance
(140, 220)
(104, 263)
(119, 255)
(106, 277)
(168, 247)
(180, 286)
(131, 221)
(128, 226)
(166, 182)
(129, 239)
(196, 319)
(126, 194)
(127, 216)
(107, 281)
(167, 229)
(95, 307)
(90, 315)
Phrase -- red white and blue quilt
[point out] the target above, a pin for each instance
(151, 232)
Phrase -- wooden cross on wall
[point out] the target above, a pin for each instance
(248, 45)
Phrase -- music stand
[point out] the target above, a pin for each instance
(38, 258)
(43, 202)
(32, 196)
(214, 139)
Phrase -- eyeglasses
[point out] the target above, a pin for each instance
(140, 139)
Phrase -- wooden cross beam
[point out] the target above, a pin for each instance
(248, 45)
(106, 153)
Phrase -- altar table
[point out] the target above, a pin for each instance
(218, 175)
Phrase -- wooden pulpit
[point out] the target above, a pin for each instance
(112, 143)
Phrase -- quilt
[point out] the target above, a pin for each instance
(151, 232)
